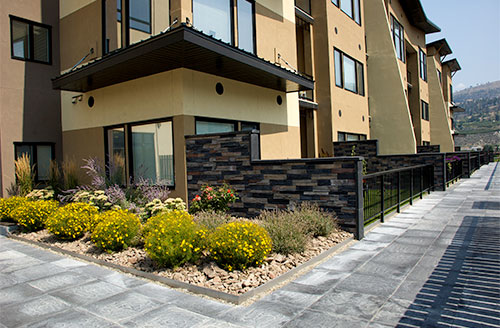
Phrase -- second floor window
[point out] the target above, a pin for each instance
(425, 111)
(30, 41)
(398, 36)
(423, 65)
(349, 73)
(140, 14)
(216, 18)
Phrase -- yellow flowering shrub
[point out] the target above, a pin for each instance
(116, 230)
(172, 238)
(32, 215)
(238, 245)
(71, 221)
(7, 205)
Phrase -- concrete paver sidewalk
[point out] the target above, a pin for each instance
(436, 264)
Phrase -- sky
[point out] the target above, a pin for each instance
(472, 29)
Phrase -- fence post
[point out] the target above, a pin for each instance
(411, 186)
(399, 192)
(360, 219)
(421, 182)
(382, 198)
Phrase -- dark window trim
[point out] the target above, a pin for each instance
(35, 154)
(30, 40)
(338, 4)
(213, 120)
(422, 64)
(425, 110)
(150, 23)
(401, 38)
(359, 135)
(129, 166)
(356, 62)
(254, 23)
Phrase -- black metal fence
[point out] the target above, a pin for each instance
(386, 191)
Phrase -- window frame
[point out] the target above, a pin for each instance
(150, 23)
(129, 157)
(425, 110)
(422, 64)
(235, 23)
(360, 82)
(402, 53)
(237, 124)
(360, 136)
(354, 4)
(35, 153)
(31, 48)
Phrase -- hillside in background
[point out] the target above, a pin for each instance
(480, 123)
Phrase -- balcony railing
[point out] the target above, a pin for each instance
(384, 192)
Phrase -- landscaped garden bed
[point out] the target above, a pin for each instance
(139, 230)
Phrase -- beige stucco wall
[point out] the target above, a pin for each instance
(29, 108)
(440, 127)
(389, 109)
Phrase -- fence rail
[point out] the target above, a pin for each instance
(454, 170)
(386, 191)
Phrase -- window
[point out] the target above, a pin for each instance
(398, 38)
(451, 93)
(351, 8)
(140, 14)
(40, 155)
(423, 65)
(349, 73)
(305, 5)
(30, 41)
(149, 154)
(440, 76)
(345, 136)
(211, 125)
(246, 26)
(425, 111)
(215, 18)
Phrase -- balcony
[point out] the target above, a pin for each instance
(182, 47)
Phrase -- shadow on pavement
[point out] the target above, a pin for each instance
(464, 289)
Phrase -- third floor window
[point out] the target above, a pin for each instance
(398, 36)
(30, 41)
(216, 18)
(351, 7)
(423, 65)
(140, 14)
(349, 73)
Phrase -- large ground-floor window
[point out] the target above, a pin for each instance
(40, 155)
(146, 148)
(211, 125)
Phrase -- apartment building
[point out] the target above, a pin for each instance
(30, 119)
(149, 72)
(336, 58)
(440, 94)
(397, 74)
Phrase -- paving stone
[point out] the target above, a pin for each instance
(368, 245)
(167, 317)
(203, 306)
(88, 293)
(394, 271)
(361, 283)
(160, 293)
(7, 280)
(296, 295)
(31, 311)
(324, 279)
(17, 293)
(392, 311)
(68, 263)
(310, 318)
(59, 281)
(11, 265)
(36, 272)
(373, 236)
(122, 306)
(388, 230)
(93, 270)
(10, 254)
(123, 280)
(73, 319)
(341, 303)
(214, 323)
(398, 247)
(260, 314)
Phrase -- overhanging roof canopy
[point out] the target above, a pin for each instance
(457, 109)
(416, 14)
(182, 47)
(442, 46)
(453, 65)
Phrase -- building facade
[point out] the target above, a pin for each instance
(30, 116)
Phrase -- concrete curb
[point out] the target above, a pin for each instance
(230, 298)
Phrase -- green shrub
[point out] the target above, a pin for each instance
(33, 215)
(7, 205)
(238, 245)
(215, 199)
(288, 234)
(116, 230)
(316, 221)
(71, 221)
(172, 238)
(25, 174)
(211, 220)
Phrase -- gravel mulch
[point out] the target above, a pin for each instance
(204, 273)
